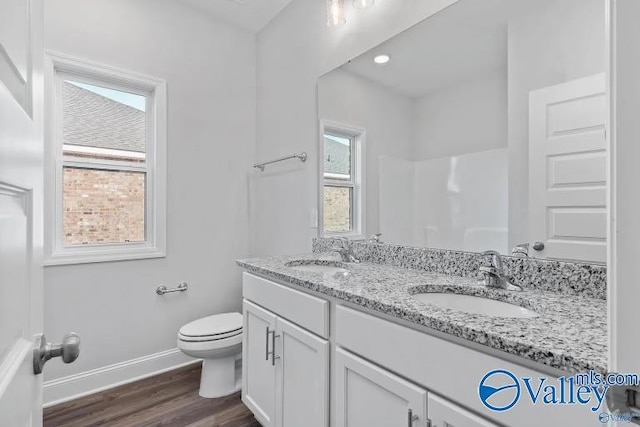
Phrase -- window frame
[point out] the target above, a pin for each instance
(61, 67)
(356, 182)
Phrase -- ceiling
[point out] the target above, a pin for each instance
(465, 40)
(251, 15)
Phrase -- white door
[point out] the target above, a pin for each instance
(568, 170)
(302, 364)
(21, 152)
(258, 363)
(444, 413)
(369, 396)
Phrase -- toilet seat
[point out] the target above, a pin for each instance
(212, 328)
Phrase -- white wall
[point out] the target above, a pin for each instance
(384, 114)
(460, 202)
(396, 202)
(558, 41)
(466, 118)
(293, 51)
(210, 70)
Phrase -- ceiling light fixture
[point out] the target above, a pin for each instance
(381, 59)
(335, 13)
(362, 4)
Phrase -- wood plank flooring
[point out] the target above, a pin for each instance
(169, 399)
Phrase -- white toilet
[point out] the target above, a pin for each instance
(218, 341)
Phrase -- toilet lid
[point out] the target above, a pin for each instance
(226, 324)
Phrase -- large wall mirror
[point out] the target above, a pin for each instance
(482, 127)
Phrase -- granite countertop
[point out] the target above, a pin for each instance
(570, 333)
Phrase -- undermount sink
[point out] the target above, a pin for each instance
(475, 305)
(332, 268)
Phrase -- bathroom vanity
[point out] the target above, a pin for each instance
(485, 130)
(353, 345)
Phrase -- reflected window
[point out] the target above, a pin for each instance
(341, 182)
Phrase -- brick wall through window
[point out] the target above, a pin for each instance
(103, 206)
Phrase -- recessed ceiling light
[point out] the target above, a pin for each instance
(381, 59)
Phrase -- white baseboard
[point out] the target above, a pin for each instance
(85, 383)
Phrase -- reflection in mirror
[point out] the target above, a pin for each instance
(485, 130)
(341, 180)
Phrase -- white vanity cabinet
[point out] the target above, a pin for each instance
(369, 396)
(285, 367)
(383, 374)
(444, 413)
(258, 372)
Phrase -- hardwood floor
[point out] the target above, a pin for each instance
(169, 399)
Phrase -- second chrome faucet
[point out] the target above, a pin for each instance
(493, 274)
(346, 251)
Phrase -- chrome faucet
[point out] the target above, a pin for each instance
(521, 250)
(493, 274)
(375, 238)
(346, 251)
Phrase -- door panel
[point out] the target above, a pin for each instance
(444, 413)
(258, 371)
(303, 377)
(568, 169)
(369, 396)
(21, 212)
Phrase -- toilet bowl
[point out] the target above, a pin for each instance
(217, 340)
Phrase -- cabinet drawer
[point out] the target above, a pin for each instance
(305, 310)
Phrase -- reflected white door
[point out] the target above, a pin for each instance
(568, 170)
(21, 152)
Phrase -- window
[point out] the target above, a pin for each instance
(342, 184)
(107, 163)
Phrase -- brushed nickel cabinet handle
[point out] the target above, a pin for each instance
(273, 348)
(266, 344)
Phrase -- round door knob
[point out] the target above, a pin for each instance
(68, 350)
(538, 246)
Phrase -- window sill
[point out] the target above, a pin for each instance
(350, 236)
(102, 255)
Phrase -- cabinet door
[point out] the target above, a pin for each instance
(258, 371)
(444, 413)
(369, 396)
(303, 377)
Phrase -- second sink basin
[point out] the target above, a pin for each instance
(475, 305)
(319, 266)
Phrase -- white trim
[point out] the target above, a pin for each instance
(358, 173)
(12, 362)
(56, 67)
(86, 383)
(610, 28)
(106, 152)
